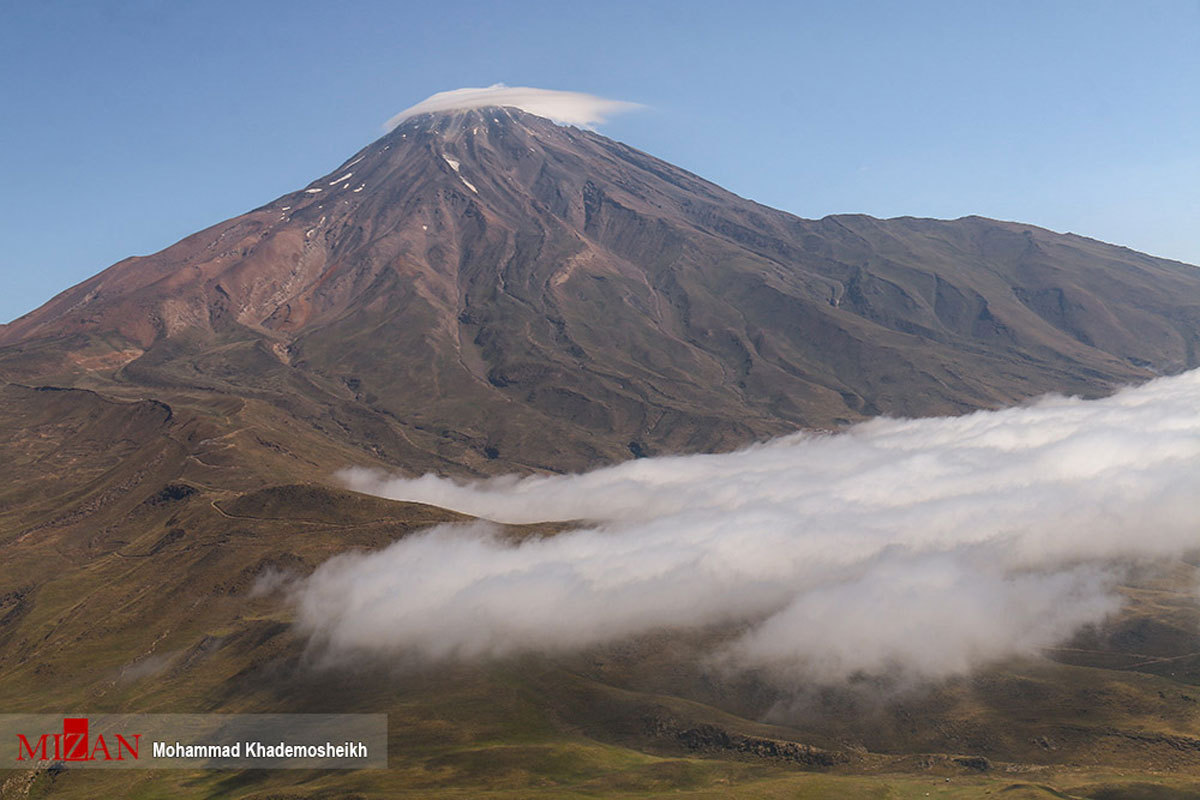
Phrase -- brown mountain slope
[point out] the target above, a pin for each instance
(496, 291)
(136, 577)
(546, 302)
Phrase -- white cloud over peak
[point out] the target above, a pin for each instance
(925, 546)
(572, 108)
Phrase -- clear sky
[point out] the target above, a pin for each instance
(128, 125)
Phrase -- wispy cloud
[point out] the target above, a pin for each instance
(925, 546)
(572, 108)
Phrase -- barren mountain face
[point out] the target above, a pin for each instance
(485, 292)
(498, 291)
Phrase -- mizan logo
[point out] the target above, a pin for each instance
(74, 744)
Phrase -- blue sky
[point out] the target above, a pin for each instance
(129, 125)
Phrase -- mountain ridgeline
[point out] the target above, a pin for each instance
(485, 290)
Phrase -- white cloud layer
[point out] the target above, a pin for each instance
(925, 546)
(571, 108)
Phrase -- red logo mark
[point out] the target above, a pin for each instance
(74, 744)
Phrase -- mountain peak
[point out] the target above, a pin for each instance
(452, 123)
(497, 286)
(571, 108)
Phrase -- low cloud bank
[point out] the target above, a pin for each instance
(572, 108)
(921, 546)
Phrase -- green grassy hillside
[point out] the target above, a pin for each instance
(141, 540)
